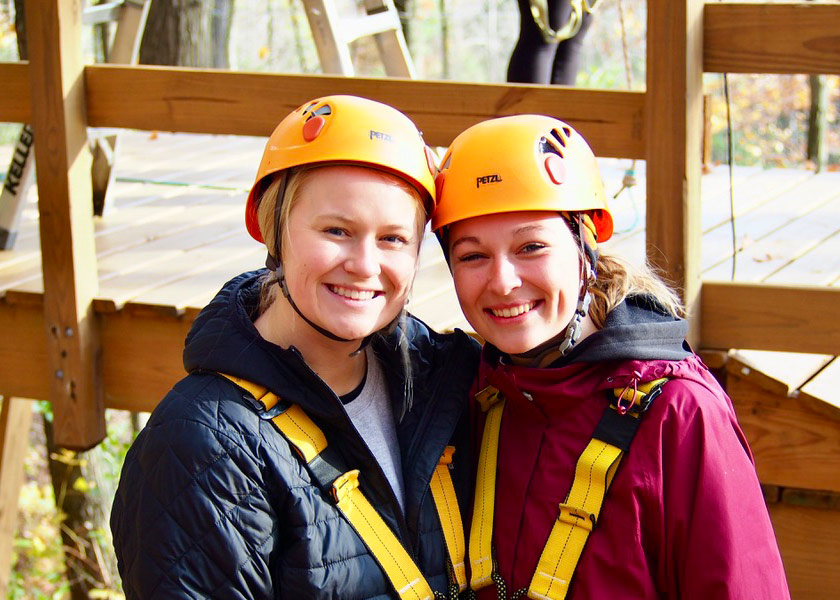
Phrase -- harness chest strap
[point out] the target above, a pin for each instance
(481, 528)
(307, 439)
(579, 513)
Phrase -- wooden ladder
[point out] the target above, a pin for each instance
(334, 33)
(130, 17)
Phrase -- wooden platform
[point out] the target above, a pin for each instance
(175, 235)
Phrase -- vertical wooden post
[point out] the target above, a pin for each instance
(674, 122)
(15, 420)
(67, 245)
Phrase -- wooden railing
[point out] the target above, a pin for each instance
(56, 346)
(661, 126)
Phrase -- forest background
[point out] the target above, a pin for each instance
(60, 556)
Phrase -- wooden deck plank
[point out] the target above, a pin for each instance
(785, 245)
(825, 384)
(820, 266)
(780, 373)
(124, 236)
(196, 275)
(205, 164)
(752, 188)
(159, 267)
(769, 217)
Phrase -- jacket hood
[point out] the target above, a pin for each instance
(223, 338)
(637, 329)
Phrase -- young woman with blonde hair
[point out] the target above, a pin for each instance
(309, 452)
(611, 464)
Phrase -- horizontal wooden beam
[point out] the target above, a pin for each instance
(226, 102)
(770, 317)
(14, 101)
(738, 38)
(141, 356)
(771, 38)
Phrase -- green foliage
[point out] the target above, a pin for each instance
(8, 53)
(38, 556)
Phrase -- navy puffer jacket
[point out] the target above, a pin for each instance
(213, 503)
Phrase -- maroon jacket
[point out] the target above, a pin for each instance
(684, 517)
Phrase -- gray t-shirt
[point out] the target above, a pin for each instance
(373, 416)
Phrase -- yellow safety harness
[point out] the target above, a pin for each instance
(309, 442)
(578, 513)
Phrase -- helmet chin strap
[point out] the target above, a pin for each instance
(573, 329)
(277, 267)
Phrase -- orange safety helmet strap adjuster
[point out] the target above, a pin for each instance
(345, 130)
(520, 163)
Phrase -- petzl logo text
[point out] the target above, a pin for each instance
(485, 179)
(378, 135)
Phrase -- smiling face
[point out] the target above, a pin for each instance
(517, 276)
(350, 249)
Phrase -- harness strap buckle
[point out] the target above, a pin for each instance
(488, 397)
(446, 457)
(345, 484)
(274, 411)
(636, 397)
(578, 517)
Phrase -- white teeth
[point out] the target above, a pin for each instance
(353, 294)
(514, 311)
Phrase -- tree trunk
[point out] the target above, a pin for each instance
(187, 33)
(817, 121)
(20, 29)
(405, 19)
(82, 556)
(220, 27)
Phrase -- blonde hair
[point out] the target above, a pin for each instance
(273, 219)
(617, 279)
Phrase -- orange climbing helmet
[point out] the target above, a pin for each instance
(345, 130)
(521, 162)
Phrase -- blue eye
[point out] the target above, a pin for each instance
(533, 247)
(395, 239)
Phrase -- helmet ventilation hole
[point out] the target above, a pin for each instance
(561, 138)
(308, 107)
(548, 146)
